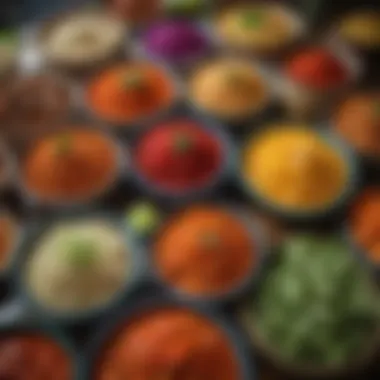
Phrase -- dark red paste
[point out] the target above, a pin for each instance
(33, 357)
(178, 155)
(317, 68)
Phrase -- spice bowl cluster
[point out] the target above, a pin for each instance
(165, 174)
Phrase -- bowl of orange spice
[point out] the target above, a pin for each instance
(364, 226)
(221, 253)
(131, 93)
(70, 168)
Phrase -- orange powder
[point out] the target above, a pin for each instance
(70, 166)
(204, 250)
(130, 91)
(365, 222)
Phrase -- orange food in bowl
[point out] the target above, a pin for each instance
(365, 223)
(169, 343)
(129, 92)
(70, 166)
(357, 120)
(204, 251)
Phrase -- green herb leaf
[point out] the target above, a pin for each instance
(80, 253)
(8, 37)
(252, 19)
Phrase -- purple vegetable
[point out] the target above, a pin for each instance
(176, 40)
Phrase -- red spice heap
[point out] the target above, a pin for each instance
(33, 358)
(178, 155)
(317, 68)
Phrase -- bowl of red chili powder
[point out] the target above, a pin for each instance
(317, 74)
(182, 159)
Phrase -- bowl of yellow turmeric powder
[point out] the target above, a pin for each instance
(298, 172)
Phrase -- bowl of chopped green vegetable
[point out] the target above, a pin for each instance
(317, 312)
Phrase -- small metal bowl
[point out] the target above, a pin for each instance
(144, 305)
(305, 216)
(222, 175)
(37, 229)
(260, 243)
(34, 200)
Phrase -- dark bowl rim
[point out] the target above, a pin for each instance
(132, 281)
(122, 168)
(351, 185)
(230, 330)
(55, 335)
(260, 243)
(226, 166)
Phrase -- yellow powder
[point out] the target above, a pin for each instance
(295, 168)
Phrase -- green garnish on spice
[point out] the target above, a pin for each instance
(184, 7)
(8, 37)
(182, 143)
(64, 144)
(143, 218)
(210, 239)
(318, 305)
(134, 81)
(252, 19)
(81, 253)
(376, 108)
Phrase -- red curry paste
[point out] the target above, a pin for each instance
(170, 344)
(317, 68)
(178, 155)
(70, 166)
(204, 250)
(33, 357)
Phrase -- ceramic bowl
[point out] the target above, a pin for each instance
(296, 19)
(34, 200)
(51, 332)
(261, 243)
(119, 50)
(37, 229)
(267, 109)
(223, 174)
(243, 354)
(127, 127)
(362, 360)
(304, 216)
